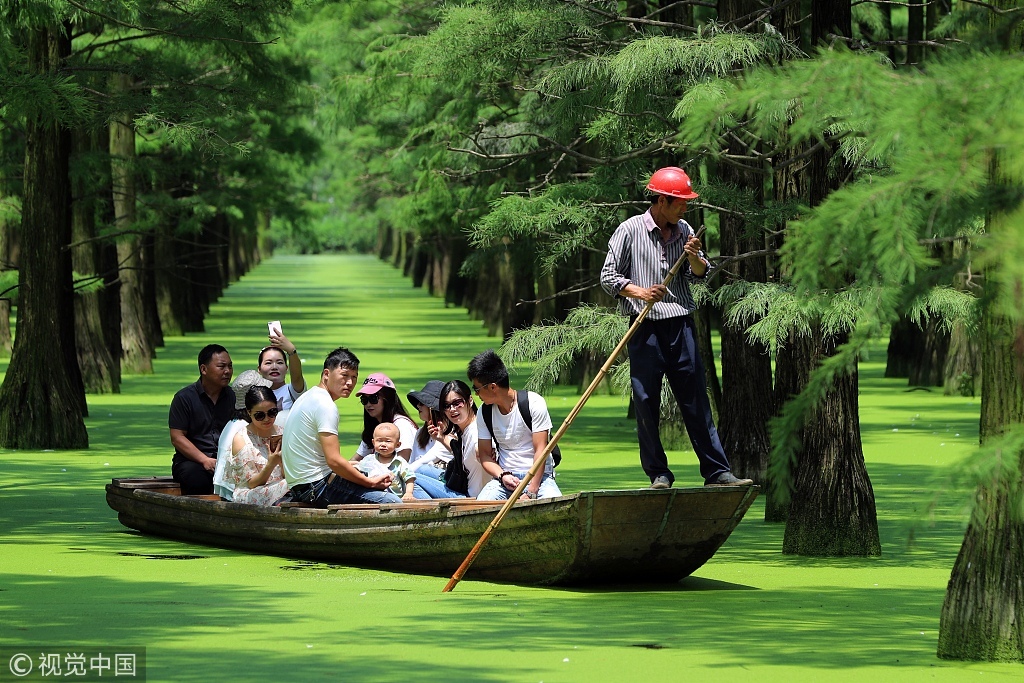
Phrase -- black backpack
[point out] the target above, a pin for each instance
(523, 402)
(455, 475)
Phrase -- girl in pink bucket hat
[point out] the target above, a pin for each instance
(381, 403)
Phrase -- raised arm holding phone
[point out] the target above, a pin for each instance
(280, 363)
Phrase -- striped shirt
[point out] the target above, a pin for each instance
(637, 255)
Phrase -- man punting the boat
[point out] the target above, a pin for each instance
(641, 252)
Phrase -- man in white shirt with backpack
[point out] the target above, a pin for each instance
(507, 446)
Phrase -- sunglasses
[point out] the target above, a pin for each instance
(371, 399)
(260, 416)
(455, 405)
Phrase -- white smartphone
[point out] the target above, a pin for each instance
(274, 328)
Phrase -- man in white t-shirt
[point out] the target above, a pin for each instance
(310, 453)
(517, 445)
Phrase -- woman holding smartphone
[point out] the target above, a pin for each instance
(254, 465)
(279, 362)
(463, 475)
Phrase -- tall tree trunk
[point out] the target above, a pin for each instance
(7, 236)
(180, 291)
(917, 353)
(915, 30)
(137, 348)
(927, 368)
(792, 372)
(962, 373)
(209, 251)
(42, 400)
(904, 342)
(832, 507)
(702, 327)
(788, 183)
(101, 373)
(832, 510)
(983, 613)
(151, 317)
(830, 18)
(746, 368)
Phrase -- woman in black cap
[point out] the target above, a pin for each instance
(431, 450)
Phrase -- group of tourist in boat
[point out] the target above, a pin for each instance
(266, 438)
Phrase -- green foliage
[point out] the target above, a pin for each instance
(9, 285)
(770, 312)
(553, 348)
(937, 154)
(565, 216)
(217, 107)
(951, 307)
(33, 96)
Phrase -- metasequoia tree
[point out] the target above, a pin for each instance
(211, 81)
(136, 344)
(869, 244)
(42, 400)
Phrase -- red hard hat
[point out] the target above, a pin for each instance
(672, 181)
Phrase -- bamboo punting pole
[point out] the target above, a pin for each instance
(539, 462)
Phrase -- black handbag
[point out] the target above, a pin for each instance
(455, 475)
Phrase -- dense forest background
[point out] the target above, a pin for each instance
(858, 162)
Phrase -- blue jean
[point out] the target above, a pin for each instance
(341, 491)
(495, 490)
(434, 488)
(431, 471)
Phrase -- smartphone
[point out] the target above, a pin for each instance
(274, 328)
(274, 443)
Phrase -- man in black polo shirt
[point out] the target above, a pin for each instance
(198, 414)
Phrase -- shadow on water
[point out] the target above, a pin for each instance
(876, 626)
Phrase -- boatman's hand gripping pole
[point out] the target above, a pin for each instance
(538, 463)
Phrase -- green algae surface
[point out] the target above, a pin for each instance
(71, 575)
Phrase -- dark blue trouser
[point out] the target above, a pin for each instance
(668, 348)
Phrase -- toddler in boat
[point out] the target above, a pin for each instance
(383, 460)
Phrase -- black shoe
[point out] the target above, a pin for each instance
(728, 479)
(661, 482)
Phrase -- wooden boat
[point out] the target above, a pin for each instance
(633, 536)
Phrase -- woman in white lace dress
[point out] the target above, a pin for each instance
(254, 466)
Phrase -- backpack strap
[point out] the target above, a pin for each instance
(486, 411)
(523, 401)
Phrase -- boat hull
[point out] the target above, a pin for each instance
(634, 536)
